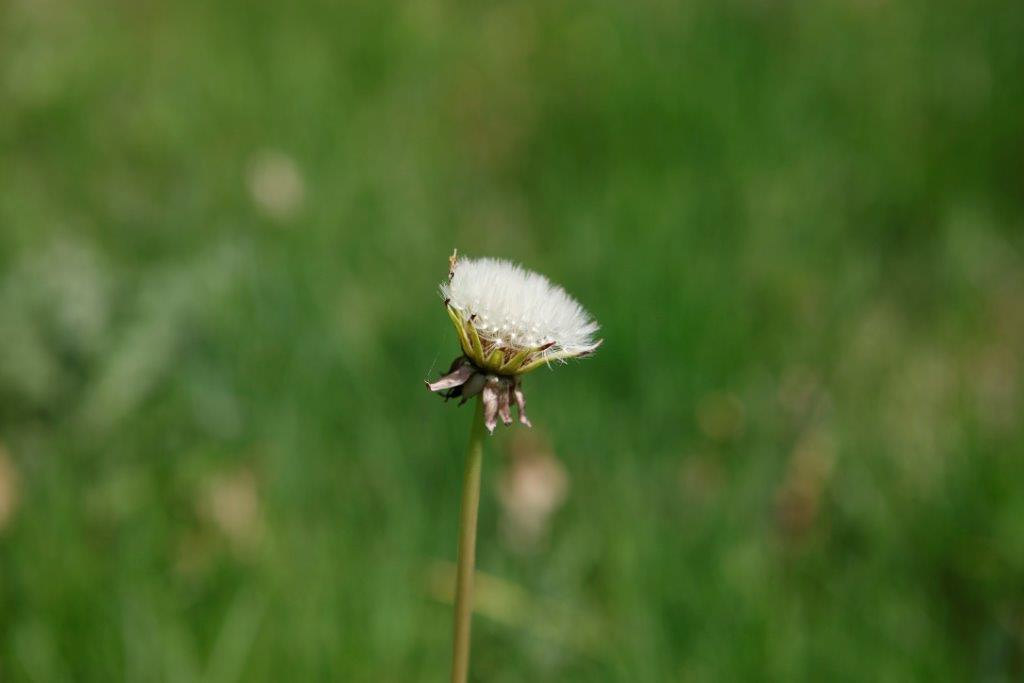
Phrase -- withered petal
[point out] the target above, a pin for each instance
(503, 405)
(460, 375)
(497, 392)
(490, 399)
(517, 392)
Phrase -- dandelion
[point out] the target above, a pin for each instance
(509, 321)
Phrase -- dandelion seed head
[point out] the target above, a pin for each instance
(515, 308)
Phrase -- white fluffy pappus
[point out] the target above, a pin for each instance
(515, 308)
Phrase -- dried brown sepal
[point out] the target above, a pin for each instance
(504, 410)
(498, 392)
(520, 398)
(490, 399)
(458, 374)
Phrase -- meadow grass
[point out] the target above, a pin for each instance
(798, 456)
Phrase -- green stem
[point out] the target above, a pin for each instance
(467, 547)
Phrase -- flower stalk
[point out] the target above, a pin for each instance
(467, 547)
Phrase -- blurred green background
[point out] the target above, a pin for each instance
(798, 456)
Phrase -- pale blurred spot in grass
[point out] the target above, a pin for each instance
(230, 501)
(276, 184)
(9, 489)
(533, 485)
(809, 468)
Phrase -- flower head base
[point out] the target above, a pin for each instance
(509, 321)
